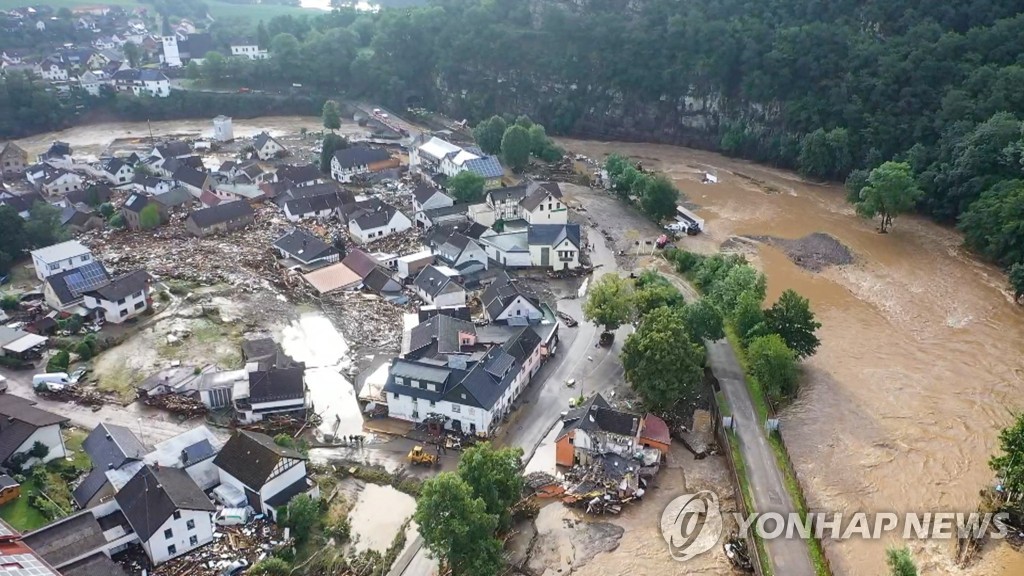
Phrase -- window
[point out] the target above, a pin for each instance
(140, 305)
(519, 312)
(54, 266)
(138, 294)
(124, 313)
(471, 411)
(399, 380)
(432, 388)
(193, 540)
(414, 383)
(168, 534)
(395, 395)
(172, 550)
(177, 515)
(463, 396)
(456, 408)
(191, 524)
(121, 301)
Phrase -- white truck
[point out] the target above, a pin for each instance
(51, 382)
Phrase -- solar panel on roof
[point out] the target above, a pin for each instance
(88, 277)
(24, 565)
(5, 531)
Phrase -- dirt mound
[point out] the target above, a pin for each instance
(813, 252)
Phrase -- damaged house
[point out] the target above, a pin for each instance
(255, 471)
(109, 447)
(303, 251)
(372, 219)
(274, 391)
(595, 429)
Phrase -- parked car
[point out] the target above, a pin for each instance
(236, 567)
(3, 384)
(51, 381)
(78, 374)
(568, 320)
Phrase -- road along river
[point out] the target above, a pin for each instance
(920, 362)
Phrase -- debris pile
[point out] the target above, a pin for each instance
(367, 321)
(813, 252)
(231, 545)
(181, 404)
(608, 481)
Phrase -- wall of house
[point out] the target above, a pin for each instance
(405, 407)
(568, 259)
(261, 409)
(46, 269)
(603, 442)
(436, 201)
(457, 297)
(564, 450)
(181, 535)
(118, 312)
(520, 308)
(51, 437)
(269, 150)
(278, 483)
(326, 213)
(399, 223)
(63, 185)
(346, 174)
(509, 259)
(550, 211)
(473, 253)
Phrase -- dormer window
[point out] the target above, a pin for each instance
(399, 380)
(414, 383)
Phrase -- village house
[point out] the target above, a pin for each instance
(426, 197)
(13, 159)
(58, 181)
(274, 391)
(511, 249)
(333, 278)
(462, 253)
(222, 218)
(323, 206)
(192, 451)
(92, 80)
(79, 217)
(223, 129)
(51, 70)
(132, 209)
(468, 392)
(178, 197)
(372, 219)
(110, 447)
(60, 258)
(78, 545)
(267, 147)
(300, 176)
(142, 82)
(194, 181)
(21, 203)
(595, 429)
(117, 171)
(301, 250)
(437, 156)
(65, 291)
(505, 202)
(151, 185)
(58, 154)
(172, 149)
(22, 425)
(439, 286)
(508, 301)
(18, 343)
(555, 246)
(122, 298)
(543, 205)
(265, 475)
(357, 160)
(447, 216)
(409, 266)
(167, 511)
(250, 50)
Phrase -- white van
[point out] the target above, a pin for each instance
(233, 516)
(3, 384)
(50, 381)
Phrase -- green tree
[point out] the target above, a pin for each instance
(132, 54)
(117, 221)
(39, 450)
(149, 217)
(774, 366)
(658, 198)
(515, 147)
(302, 514)
(748, 318)
(815, 155)
(610, 302)
(1008, 464)
(616, 165)
(662, 364)
(855, 182)
(1016, 276)
(13, 240)
(495, 476)
(330, 116)
(792, 319)
(703, 321)
(653, 291)
(43, 226)
(107, 210)
(332, 143)
(456, 527)
(272, 566)
(467, 187)
(262, 36)
(488, 134)
(59, 362)
(84, 351)
(994, 224)
(736, 281)
(900, 562)
(891, 190)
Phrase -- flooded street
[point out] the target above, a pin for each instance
(314, 340)
(378, 514)
(920, 361)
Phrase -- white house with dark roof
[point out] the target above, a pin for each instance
(300, 176)
(56, 181)
(167, 511)
(426, 197)
(59, 258)
(267, 147)
(117, 171)
(508, 301)
(323, 206)
(66, 290)
(267, 475)
(555, 246)
(438, 156)
(121, 299)
(353, 161)
(301, 250)
(172, 149)
(439, 286)
(193, 451)
(110, 447)
(372, 219)
(462, 253)
(543, 205)
(22, 425)
(274, 391)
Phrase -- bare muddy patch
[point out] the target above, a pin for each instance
(813, 252)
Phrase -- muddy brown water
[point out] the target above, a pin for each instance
(920, 362)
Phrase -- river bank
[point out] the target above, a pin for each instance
(919, 366)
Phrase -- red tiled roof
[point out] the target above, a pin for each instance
(656, 429)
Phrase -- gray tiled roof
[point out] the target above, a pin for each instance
(154, 494)
(597, 414)
(438, 334)
(221, 213)
(553, 234)
(433, 281)
(122, 286)
(252, 457)
(300, 174)
(360, 156)
(303, 246)
(502, 292)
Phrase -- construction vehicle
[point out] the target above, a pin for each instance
(418, 456)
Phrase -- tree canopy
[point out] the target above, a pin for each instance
(774, 365)
(488, 134)
(900, 562)
(149, 217)
(457, 528)
(466, 187)
(515, 147)
(495, 475)
(1008, 463)
(330, 116)
(791, 318)
(661, 362)
(331, 144)
(891, 190)
(609, 302)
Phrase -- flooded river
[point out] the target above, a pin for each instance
(920, 362)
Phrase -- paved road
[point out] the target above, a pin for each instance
(789, 557)
(595, 370)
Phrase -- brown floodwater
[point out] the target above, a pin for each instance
(920, 363)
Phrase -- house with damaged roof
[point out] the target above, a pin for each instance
(110, 447)
(594, 429)
(277, 391)
(22, 425)
(440, 286)
(373, 219)
(354, 161)
(255, 471)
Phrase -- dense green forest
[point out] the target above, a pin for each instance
(828, 88)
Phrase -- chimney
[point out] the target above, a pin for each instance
(184, 456)
(108, 436)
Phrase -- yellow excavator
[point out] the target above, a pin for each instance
(419, 456)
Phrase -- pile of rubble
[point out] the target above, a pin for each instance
(607, 482)
(180, 404)
(367, 321)
(251, 543)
